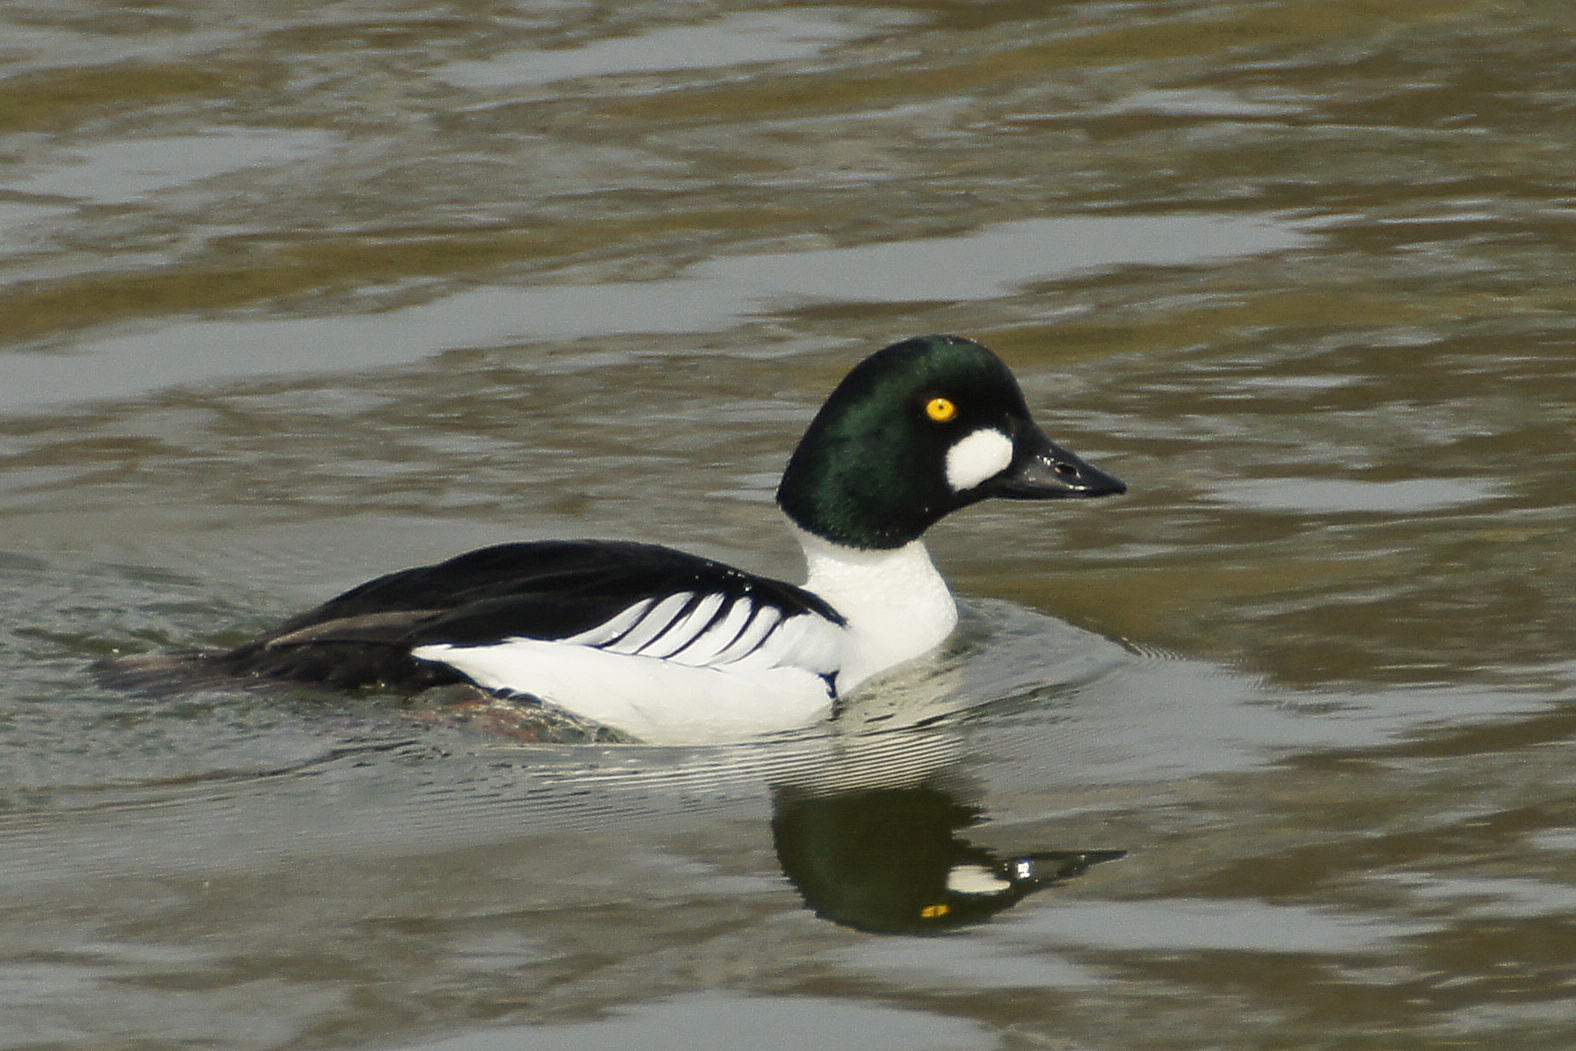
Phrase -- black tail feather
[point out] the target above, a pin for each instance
(331, 665)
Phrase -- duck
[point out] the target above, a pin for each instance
(670, 647)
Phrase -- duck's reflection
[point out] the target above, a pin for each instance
(891, 860)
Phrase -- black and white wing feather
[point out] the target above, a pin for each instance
(619, 597)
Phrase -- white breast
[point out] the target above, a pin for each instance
(897, 604)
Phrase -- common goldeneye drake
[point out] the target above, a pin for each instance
(668, 646)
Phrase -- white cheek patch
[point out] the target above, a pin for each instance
(975, 879)
(977, 456)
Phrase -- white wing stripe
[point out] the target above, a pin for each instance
(740, 617)
(762, 620)
(698, 617)
(611, 630)
(640, 640)
(655, 621)
(723, 630)
(801, 641)
(710, 630)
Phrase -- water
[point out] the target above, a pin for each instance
(294, 297)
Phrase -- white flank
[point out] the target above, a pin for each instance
(660, 701)
(663, 675)
(976, 456)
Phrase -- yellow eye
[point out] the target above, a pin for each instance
(940, 409)
(940, 909)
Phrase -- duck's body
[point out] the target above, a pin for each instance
(665, 645)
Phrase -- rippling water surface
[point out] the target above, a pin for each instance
(297, 295)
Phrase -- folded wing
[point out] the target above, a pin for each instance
(625, 598)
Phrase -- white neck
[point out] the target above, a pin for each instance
(896, 603)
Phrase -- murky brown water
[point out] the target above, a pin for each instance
(298, 294)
